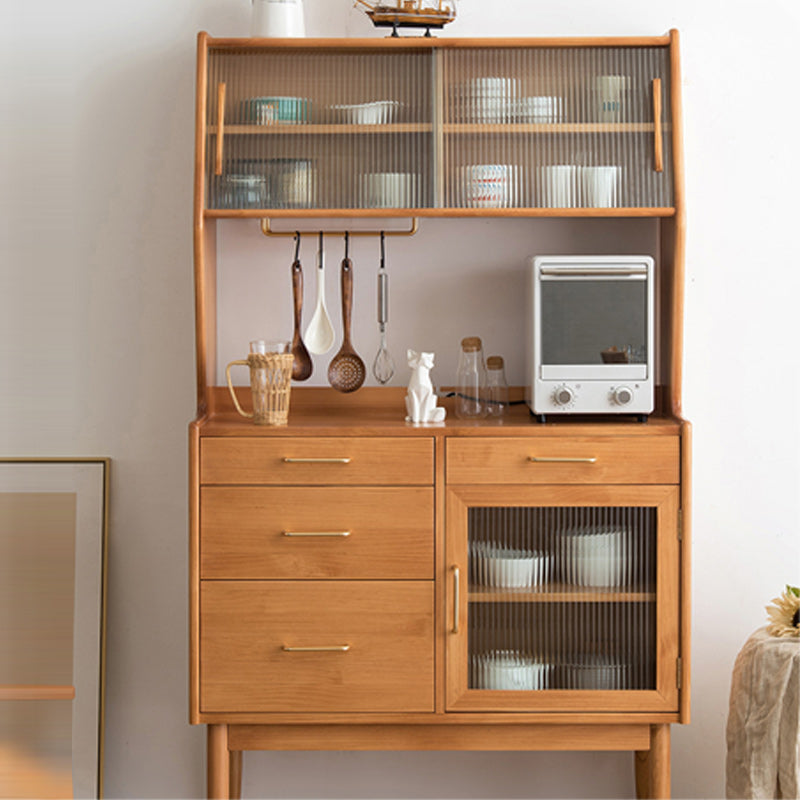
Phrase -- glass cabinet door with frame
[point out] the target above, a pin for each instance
(562, 598)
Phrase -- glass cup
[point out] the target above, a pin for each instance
(270, 366)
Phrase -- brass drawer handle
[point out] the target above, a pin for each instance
(456, 599)
(561, 460)
(316, 533)
(335, 648)
(316, 460)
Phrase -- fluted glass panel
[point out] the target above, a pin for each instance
(562, 598)
(555, 128)
(460, 128)
(320, 129)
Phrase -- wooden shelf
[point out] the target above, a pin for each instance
(36, 692)
(550, 127)
(394, 213)
(320, 129)
(560, 593)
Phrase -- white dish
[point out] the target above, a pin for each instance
(377, 112)
(598, 674)
(388, 190)
(505, 568)
(508, 670)
(537, 109)
(486, 185)
(597, 559)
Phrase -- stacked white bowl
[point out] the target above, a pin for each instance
(509, 670)
(489, 100)
(509, 568)
(595, 558)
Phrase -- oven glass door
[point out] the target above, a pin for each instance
(594, 326)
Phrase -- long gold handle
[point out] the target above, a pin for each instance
(335, 648)
(658, 139)
(220, 128)
(316, 533)
(456, 599)
(561, 460)
(316, 460)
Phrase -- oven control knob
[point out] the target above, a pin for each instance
(622, 396)
(563, 396)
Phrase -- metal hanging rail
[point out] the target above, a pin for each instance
(266, 229)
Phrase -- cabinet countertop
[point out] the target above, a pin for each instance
(379, 411)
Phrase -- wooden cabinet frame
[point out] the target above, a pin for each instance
(637, 720)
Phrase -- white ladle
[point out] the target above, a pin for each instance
(319, 335)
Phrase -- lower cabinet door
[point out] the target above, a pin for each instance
(563, 598)
(316, 646)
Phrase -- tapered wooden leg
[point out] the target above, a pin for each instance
(652, 766)
(236, 774)
(660, 761)
(642, 766)
(219, 763)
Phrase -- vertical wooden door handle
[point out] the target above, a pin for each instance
(658, 137)
(220, 128)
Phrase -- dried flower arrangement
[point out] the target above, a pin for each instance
(785, 614)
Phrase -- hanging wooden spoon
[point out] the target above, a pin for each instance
(346, 372)
(302, 366)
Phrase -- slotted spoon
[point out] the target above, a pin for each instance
(346, 372)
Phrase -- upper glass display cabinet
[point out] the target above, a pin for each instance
(437, 128)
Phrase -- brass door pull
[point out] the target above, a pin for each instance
(335, 648)
(317, 533)
(220, 129)
(561, 460)
(316, 460)
(456, 599)
(658, 138)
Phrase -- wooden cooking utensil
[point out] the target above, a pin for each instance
(346, 372)
(303, 366)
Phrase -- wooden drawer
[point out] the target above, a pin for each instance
(386, 626)
(317, 460)
(336, 532)
(574, 459)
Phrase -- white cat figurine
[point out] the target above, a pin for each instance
(421, 400)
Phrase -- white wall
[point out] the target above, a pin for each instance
(97, 355)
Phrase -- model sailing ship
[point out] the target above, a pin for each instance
(410, 14)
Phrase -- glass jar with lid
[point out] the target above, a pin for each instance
(471, 380)
(496, 387)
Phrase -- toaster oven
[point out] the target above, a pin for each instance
(590, 338)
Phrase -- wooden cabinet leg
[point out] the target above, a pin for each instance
(653, 766)
(219, 763)
(236, 775)
(660, 761)
(642, 767)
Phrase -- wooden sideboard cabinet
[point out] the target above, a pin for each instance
(355, 580)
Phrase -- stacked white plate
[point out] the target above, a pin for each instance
(508, 568)
(540, 109)
(509, 670)
(595, 558)
(485, 100)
